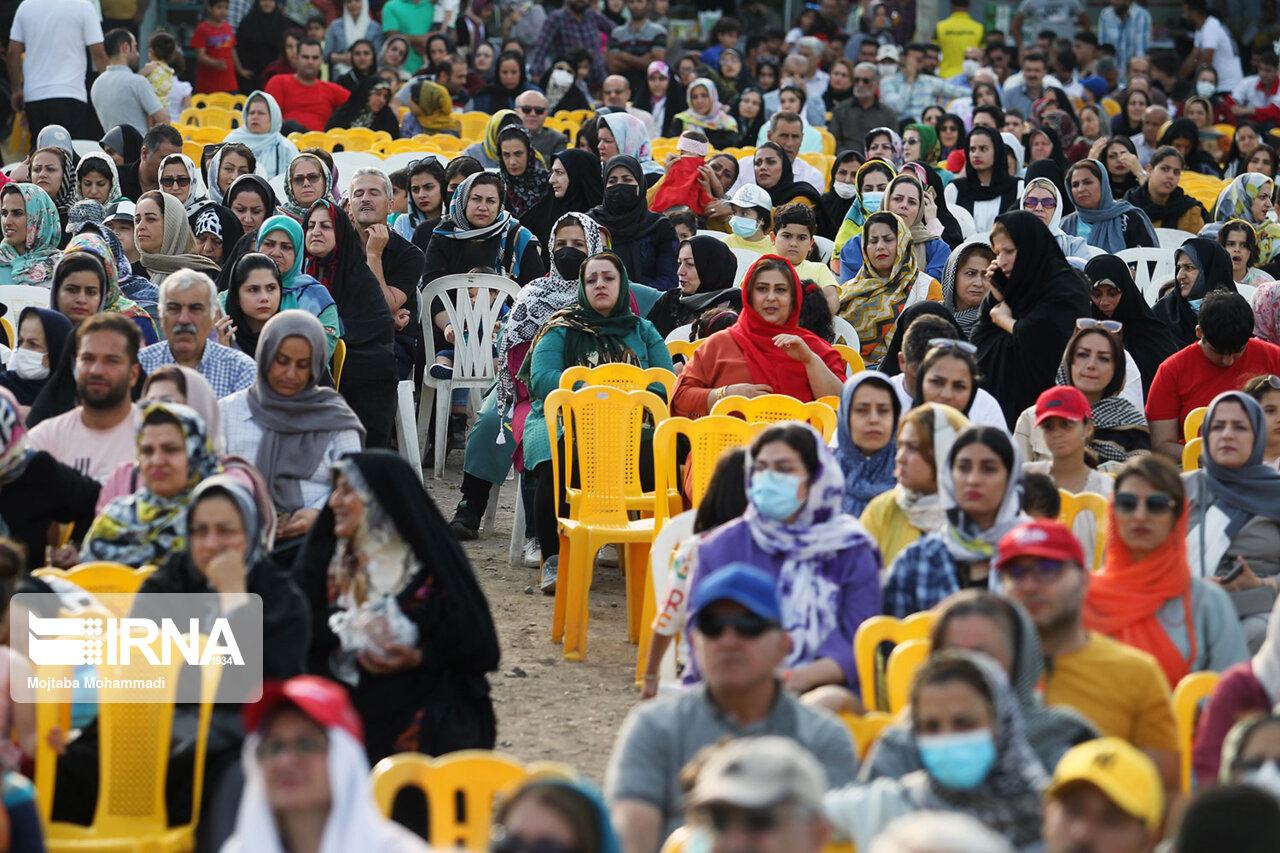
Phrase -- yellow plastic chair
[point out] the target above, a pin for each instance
(852, 358)
(828, 141)
(204, 135)
(773, 408)
(597, 426)
(1112, 106)
(1191, 455)
(684, 349)
(833, 401)
(819, 162)
(216, 117)
(191, 116)
(1194, 421)
(866, 643)
(339, 359)
(906, 657)
(865, 729)
(1094, 504)
(474, 124)
(313, 139)
(11, 337)
(102, 578)
(193, 150)
(134, 726)
(1193, 689)
(221, 100)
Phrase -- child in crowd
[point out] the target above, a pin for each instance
(794, 226)
(686, 222)
(1040, 498)
(399, 194)
(163, 73)
(751, 220)
(687, 181)
(215, 45)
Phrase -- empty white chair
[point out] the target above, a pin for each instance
(1172, 238)
(17, 297)
(845, 333)
(1151, 268)
(826, 248)
(681, 333)
(745, 258)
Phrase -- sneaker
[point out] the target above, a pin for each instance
(441, 371)
(532, 553)
(549, 570)
(607, 556)
(465, 524)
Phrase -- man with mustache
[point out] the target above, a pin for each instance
(188, 300)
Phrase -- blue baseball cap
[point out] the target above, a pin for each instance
(742, 583)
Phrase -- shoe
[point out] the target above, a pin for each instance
(549, 569)
(532, 553)
(441, 371)
(607, 556)
(457, 432)
(465, 524)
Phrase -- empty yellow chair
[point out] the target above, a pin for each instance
(906, 657)
(626, 377)
(1187, 696)
(773, 408)
(1191, 455)
(103, 578)
(865, 729)
(474, 124)
(1094, 504)
(866, 643)
(1194, 421)
(828, 141)
(204, 135)
(832, 401)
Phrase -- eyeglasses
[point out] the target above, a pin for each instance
(1115, 327)
(1274, 382)
(1041, 570)
(516, 844)
(867, 81)
(303, 746)
(1126, 503)
(949, 344)
(746, 625)
(754, 821)
(1032, 203)
(302, 180)
(179, 180)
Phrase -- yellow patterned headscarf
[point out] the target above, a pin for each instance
(871, 303)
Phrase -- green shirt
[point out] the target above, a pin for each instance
(411, 19)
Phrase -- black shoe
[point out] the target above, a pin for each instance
(457, 432)
(465, 524)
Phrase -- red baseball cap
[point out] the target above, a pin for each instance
(1039, 538)
(324, 701)
(1063, 401)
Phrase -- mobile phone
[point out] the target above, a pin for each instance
(1233, 572)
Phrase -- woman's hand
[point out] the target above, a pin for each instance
(226, 331)
(391, 659)
(794, 346)
(1131, 164)
(989, 276)
(299, 522)
(746, 389)
(1099, 145)
(930, 208)
(1245, 580)
(226, 572)
(1002, 316)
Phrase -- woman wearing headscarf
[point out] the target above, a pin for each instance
(964, 286)
(906, 197)
(1115, 296)
(42, 335)
(217, 231)
(1165, 203)
(95, 244)
(1001, 783)
(1248, 197)
(364, 64)
(706, 271)
(164, 238)
(280, 239)
(97, 179)
(764, 349)
(837, 200)
(290, 426)
(258, 39)
(32, 232)
(866, 427)
(706, 113)
(774, 174)
(436, 106)
(1040, 196)
(884, 143)
(487, 151)
(529, 196)
(888, 281)
(194, 194)
(1211, 270)
(1145, 595)
(148, 525)
(1013, 148)
(985, 189)
(369, 106)
(577, 182)
(252, 200)
(479, 232)
(646, 241)
(1233, 510)
(749, 113)
(335, 257)
(953, 134)
(920, 142)
(123, 144)
(938, 217)
(223, 166)
(301, 193)
(869, 184)
(622, 134)
(355, 25)
(509, 82)
(1026, 319)
(258, 293)
(37, 490)
(52, 170)
(260, 130)
(1183, 135)
(1103, 222)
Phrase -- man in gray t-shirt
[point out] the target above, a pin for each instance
(633, 46)
(119, 95)
(735, 628)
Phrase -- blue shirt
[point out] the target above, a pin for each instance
(227, 370)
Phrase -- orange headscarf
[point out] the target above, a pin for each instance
(768, 364)
(1124, 596)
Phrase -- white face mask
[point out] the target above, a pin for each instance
(1266, 777)
(561, 78)
(1205, 88)
(28, 364)
(843, 190)
(969, 67)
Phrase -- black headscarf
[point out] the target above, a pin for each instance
(125, 140)
(1165, 215)
(357, 104)
(1200, 160)
(788, 188)
(248, 242)
(717, 271)
(951, 233)
(259, 39)
(749, 129)
(1046, 296)
(214, 217)
(57, 331)
(586, 184)
(246, 337)
(833, 205)
(1056, 154)
(1216, 273)
(635, 223)
(968, 188)
(1051, 171)
(1146, 337)
(889, 364)
(499, 96)
(962, 140)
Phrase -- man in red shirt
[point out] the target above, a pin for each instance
(303, 97)
(1223, 359)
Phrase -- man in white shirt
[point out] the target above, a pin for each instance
(817, 80)
(795, 69)
(102, 431)
(787, 130)
(1257, 98)
(46, 62)
(985, 411)
(1213, 46)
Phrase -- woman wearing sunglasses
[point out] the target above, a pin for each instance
(1233, 500)
(180, 178)
(1145, 594)
(1096, 365)
(827, 569)
(981, 501)
(553, 816)
(1042, 198)
(1115, 296)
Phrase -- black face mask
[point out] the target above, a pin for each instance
(568, 261)
(621, 198)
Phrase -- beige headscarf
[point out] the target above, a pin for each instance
(177, 246)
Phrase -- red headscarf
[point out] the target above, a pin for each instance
(768, 364)
(1124, 596)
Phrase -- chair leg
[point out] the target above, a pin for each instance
(406, 431)
(578, 572)
(491, 511)
(557, 618)
(515, 550)
(426, 405)
(637, 577)
(648, 613)
(444, 402)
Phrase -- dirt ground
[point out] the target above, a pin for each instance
(548, 708)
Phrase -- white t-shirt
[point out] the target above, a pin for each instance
(55, 34)
(985, 411)
(1213, 36)
(94, 453)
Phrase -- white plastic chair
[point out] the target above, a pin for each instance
(845, 332)
(1172, 238)
(406, 429)
(277, 184)
(704, 232)
(681, 333)
(86, 146)
(826, 248)
(476, 325)
(21, 296)
(404, 158)
(965, 220)
(669, 538)
(745, 258)
(1152, 267)
(346, 162)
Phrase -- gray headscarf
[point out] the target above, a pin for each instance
(225, 485)
(295, 430)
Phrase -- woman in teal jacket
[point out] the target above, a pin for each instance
(280, 238)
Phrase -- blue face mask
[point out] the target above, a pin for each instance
(1195, 304)
(775, 494)
(743, 226)
(871, 201)
(959, 761)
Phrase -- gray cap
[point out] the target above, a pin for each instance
(758, 772)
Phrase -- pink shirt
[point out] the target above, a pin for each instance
(92, 452)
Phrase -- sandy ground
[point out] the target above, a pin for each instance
(548, 708)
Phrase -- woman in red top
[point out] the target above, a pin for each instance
(764, 352)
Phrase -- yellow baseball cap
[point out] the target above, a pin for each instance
(1118, 769)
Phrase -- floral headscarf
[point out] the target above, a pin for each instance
(871, 303)
(35, 264)
(15, 454)
(717, 119)
(112, 299)
(144, 527)
(291, 205)
(894, 140)
(632, 140)
(497, 123)
(1236, 202)
(66, 194)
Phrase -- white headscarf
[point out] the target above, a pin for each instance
(353, 29)
(198, 195)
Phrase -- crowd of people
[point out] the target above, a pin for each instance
(211, 395)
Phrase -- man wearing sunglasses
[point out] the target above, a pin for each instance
(736, 632)
(1119, 688)
(532, 107)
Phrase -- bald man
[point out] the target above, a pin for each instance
(532, 107)
(617, 93)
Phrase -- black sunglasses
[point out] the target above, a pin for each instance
(1158, 503)
(755, 821)
(1041, 570)
(527, 110)
(747, 625)
(180, 180)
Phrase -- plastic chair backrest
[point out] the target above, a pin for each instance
(1191, 455)
(1194, 688)
(773, 408)
(20, 296)
(1112, 106)
(745, 258)
(865, 729)
(846, 334)
(1152, 267)
(339, 359)
(473, 125)
(101, 577)
(852, 358)
(866, 642)
(828, 141)
(680, 333)
(684, 349)
(475, 322)
(906, 657)
(11, 337)
(832, 401)
(708, 437)
(627, 377)
(1172, 238)
(1194, 420)
(1094, 504)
